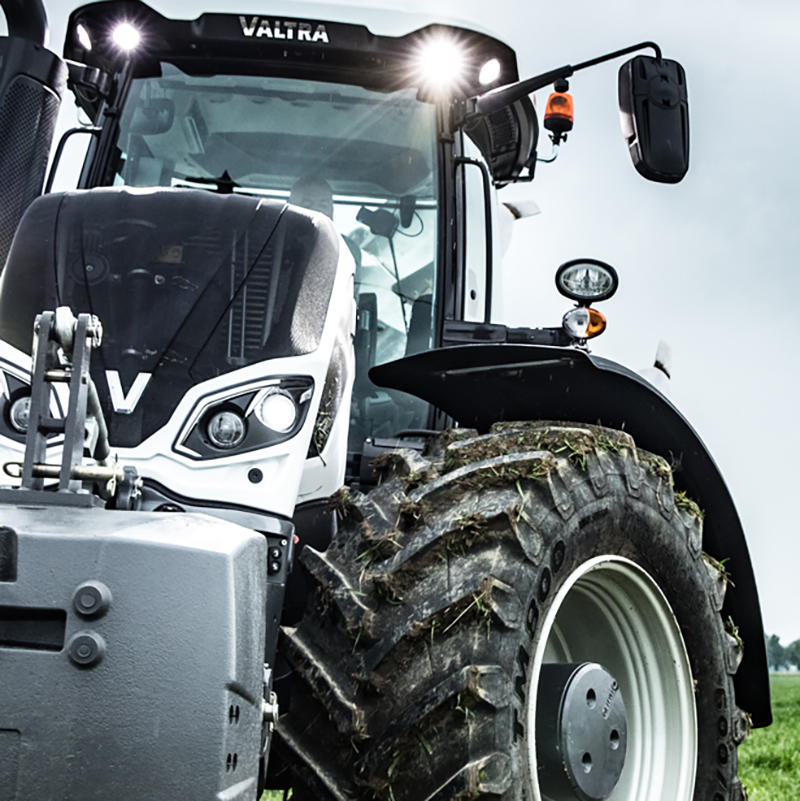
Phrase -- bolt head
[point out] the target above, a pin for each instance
(91, 599)
(86, 648)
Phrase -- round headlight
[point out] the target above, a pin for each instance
(226, 429)
(277, 411)
(586, 280)
(19, 414)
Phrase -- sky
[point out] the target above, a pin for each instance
(707, 265)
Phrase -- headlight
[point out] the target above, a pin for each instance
(19, 414)
(277, 410)
(586, 281)
(226, 429)
(246, 418)
(15, 406)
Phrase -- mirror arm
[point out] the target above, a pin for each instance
(503, 96)
(618, 53)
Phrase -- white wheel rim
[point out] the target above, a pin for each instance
(610, 611)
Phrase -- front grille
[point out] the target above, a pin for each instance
(252, 308)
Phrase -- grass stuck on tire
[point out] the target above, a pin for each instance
(492, 569)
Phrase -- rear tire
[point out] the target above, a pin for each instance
(449, 586)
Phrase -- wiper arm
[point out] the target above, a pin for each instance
(225, 184)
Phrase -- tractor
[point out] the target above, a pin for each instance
(283, 506)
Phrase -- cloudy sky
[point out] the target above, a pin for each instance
(708, 265)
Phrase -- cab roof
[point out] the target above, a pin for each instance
(249, 43)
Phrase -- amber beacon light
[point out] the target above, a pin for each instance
(559, 114)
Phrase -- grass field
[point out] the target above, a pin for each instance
(769, 761)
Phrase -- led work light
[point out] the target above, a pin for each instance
(83, 37)
(441, 65)
(490, 72)
(126, 37)
(586, 281)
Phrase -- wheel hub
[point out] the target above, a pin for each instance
(581, 732)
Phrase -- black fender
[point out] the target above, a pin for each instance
(480, 384)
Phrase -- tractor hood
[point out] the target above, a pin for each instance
(188, 285)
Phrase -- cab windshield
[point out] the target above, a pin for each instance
(365, 158)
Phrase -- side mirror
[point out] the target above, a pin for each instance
(654, 111)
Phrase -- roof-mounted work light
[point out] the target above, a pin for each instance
(126, 36)
(441, 65)
(83, 37)
(490, 72)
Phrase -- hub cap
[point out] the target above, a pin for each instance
(581, 731)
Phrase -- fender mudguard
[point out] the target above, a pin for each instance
(480, 384)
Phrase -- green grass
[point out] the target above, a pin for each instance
(769, 760)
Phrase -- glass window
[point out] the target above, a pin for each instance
(474, 235)
(365, 158)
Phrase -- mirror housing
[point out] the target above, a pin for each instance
(507, 137)
(654, 112)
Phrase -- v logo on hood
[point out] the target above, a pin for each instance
(122, 403)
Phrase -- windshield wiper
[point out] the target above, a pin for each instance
(224, 184)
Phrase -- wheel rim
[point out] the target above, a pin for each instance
(610, 611)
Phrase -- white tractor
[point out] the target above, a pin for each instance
(284, 508)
